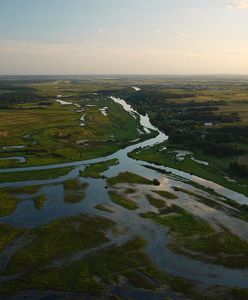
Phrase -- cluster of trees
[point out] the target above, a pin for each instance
(195, 140)
(235, 169)
(207, 116)
(238, 133)
(12, 94)
(225, 149)
(184, 122)
(156, 97)
(164, 111)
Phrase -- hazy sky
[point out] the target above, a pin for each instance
(123, 36)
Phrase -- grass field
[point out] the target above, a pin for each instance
(95, 170)
(51, 132)
(34, 175)
(210, 172)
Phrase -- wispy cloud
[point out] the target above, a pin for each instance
(238, 4)
(101, 30)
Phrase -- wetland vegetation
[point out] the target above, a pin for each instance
(195, 237)
(34, 175)
(8, 203)
(122, 200)
(95, 170)
(128, 177)
(105, 225)
(67, 137)
(39, 201)
(74, 190)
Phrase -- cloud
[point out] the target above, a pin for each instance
(100, 30)
(238, 4)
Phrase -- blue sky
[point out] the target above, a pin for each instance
(117, 36)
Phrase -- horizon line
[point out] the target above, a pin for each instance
(127, 74)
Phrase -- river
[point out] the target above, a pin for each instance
(128, 222)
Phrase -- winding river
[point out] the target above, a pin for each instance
(129, 223)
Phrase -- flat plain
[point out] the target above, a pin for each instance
(97, 203)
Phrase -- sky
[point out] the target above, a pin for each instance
(123, 37)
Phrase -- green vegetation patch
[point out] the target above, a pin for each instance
(34, 175)
(95, 170)
(154, 155)
(99, 271)
(181, 225)
(8, 203)
(165, 194)
(59, 239)
(158, 203)
(39, 201)
(128, 177)
(56, 129)
(122, 201)
(8, 234)
(174, 209)
(96, 273)
(130, 191)
(141, 281)
(196, 238)
(31, 189)
(103, 208)
(222, 248)
(74, 190)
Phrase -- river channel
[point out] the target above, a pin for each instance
(129, 223)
